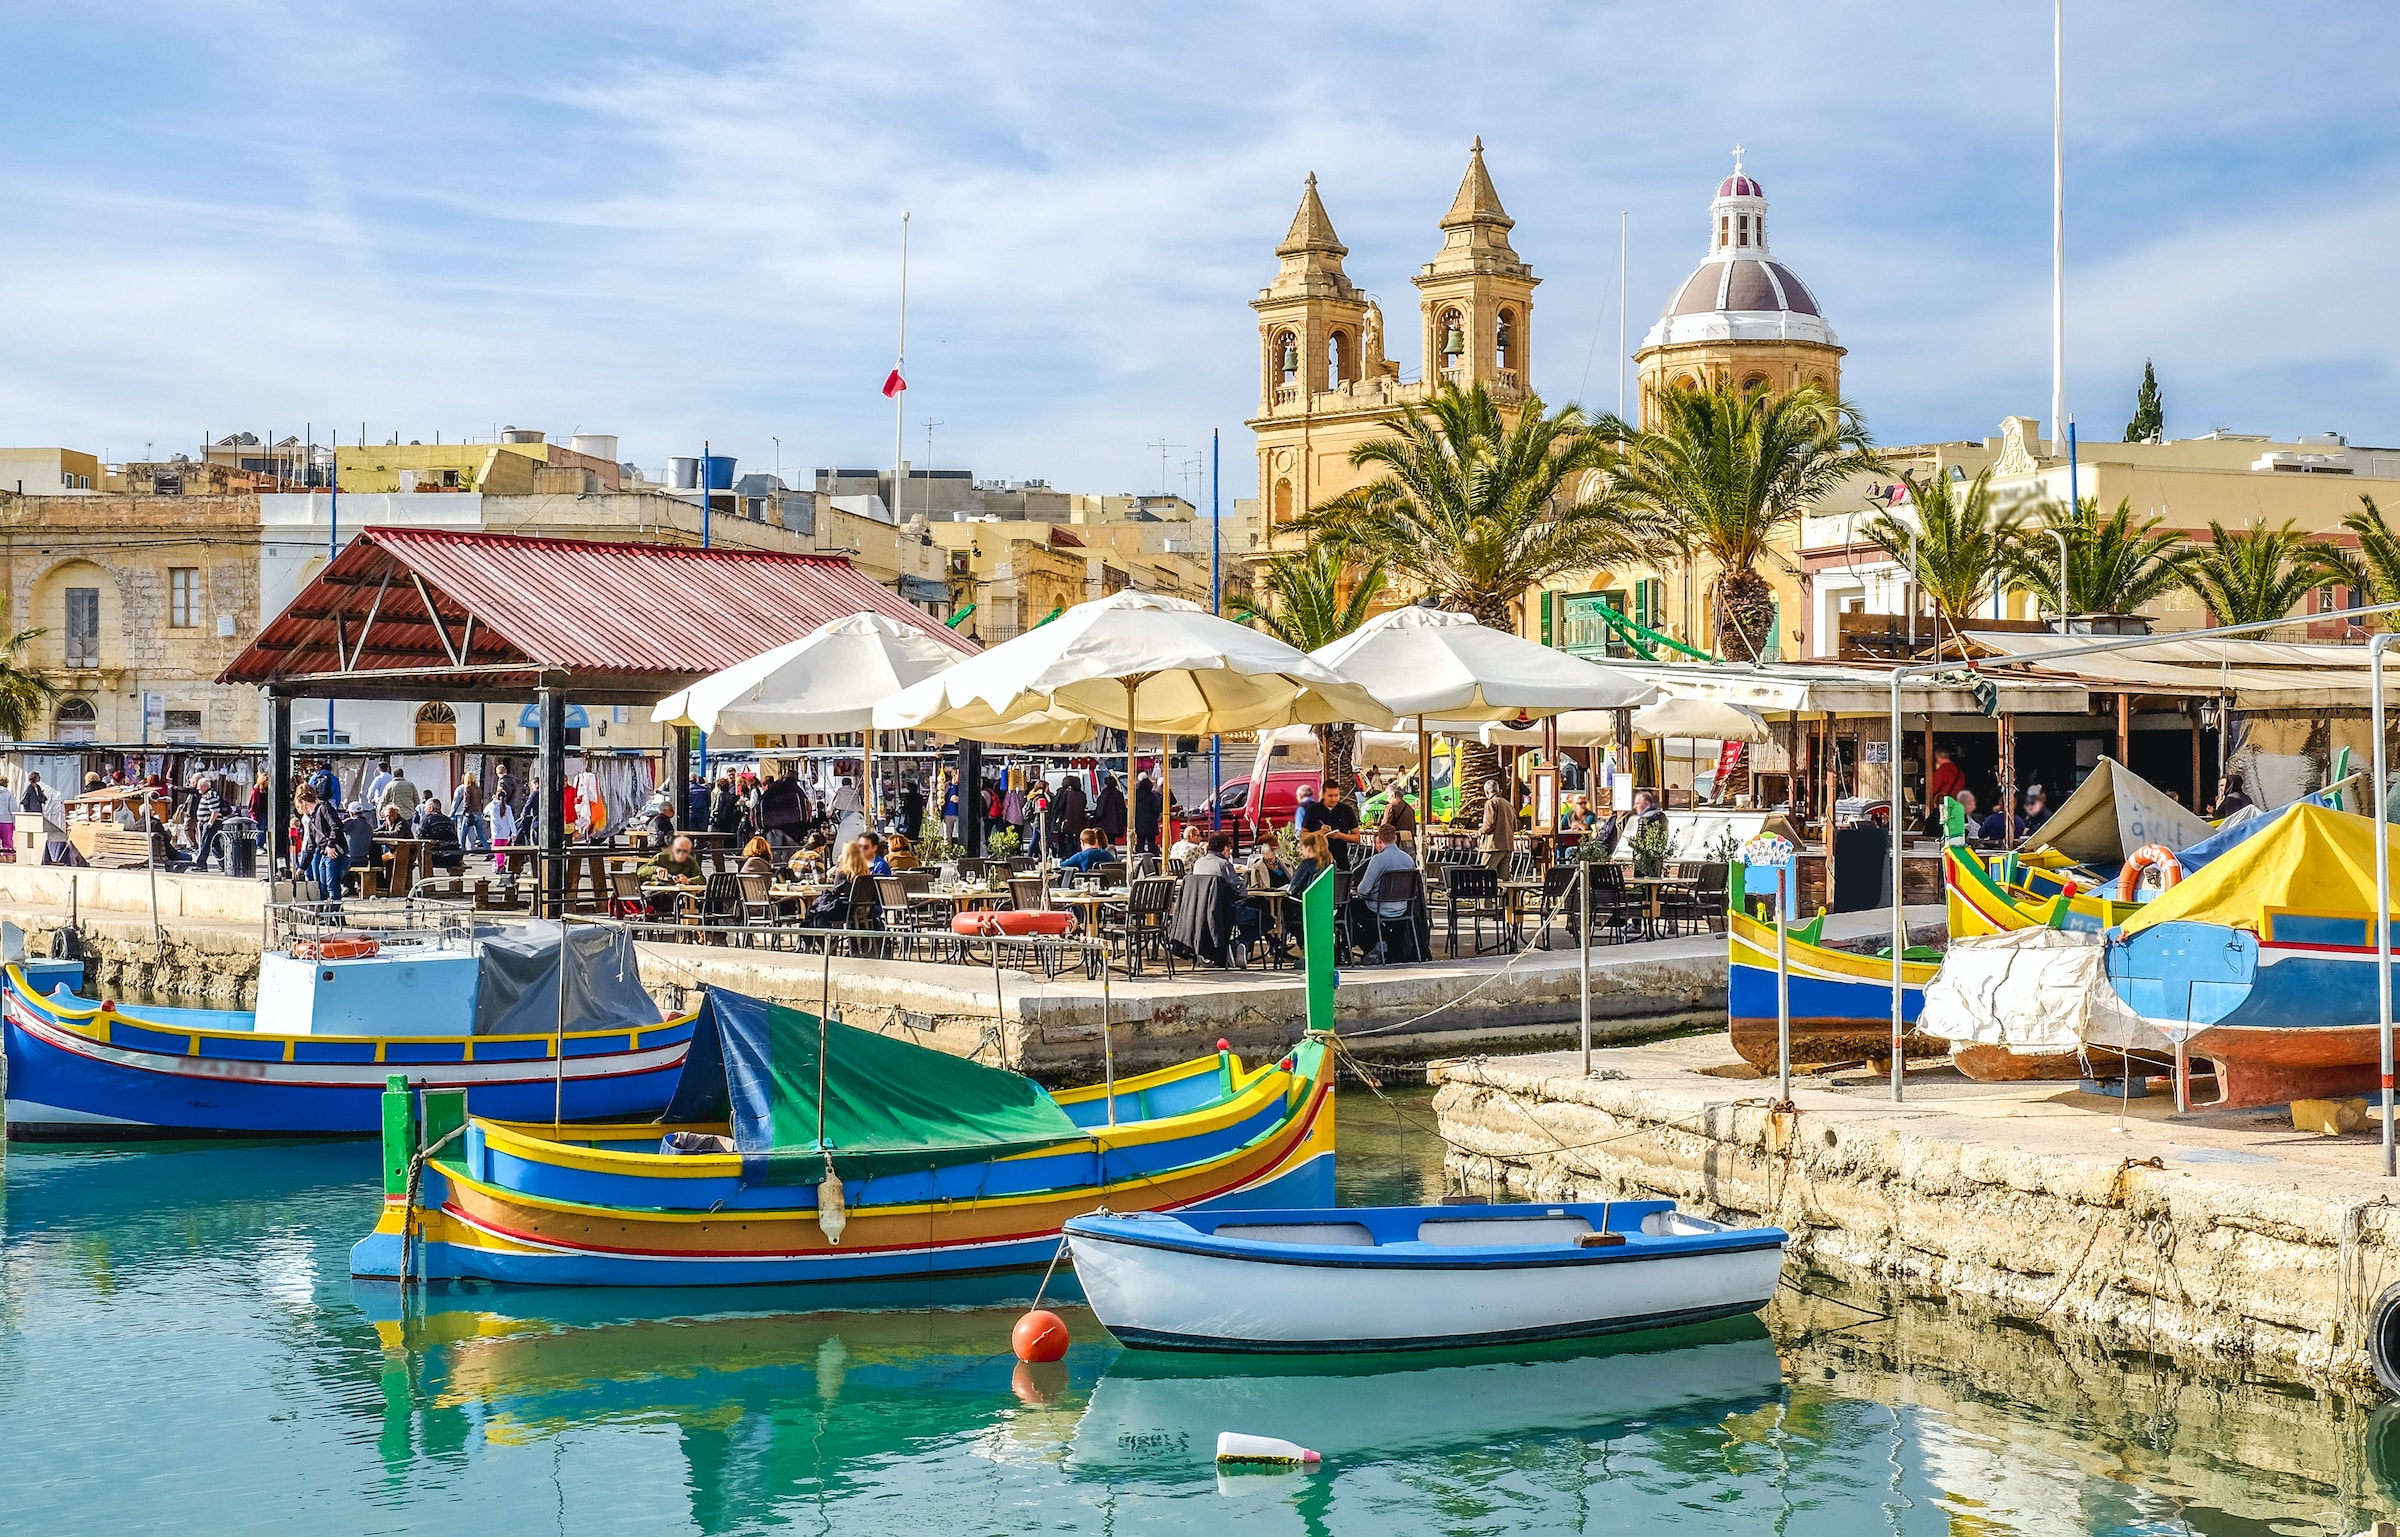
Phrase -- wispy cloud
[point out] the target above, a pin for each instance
(683, 222)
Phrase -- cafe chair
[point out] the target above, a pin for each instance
(1472, 892)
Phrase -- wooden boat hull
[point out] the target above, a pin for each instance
(82, 1071)
(1332, 1281)
(1841, 1002)
(2288, 1012)
(470, 1227)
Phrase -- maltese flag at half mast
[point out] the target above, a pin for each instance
(893, 384)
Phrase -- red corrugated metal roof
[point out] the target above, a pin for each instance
(625, 615)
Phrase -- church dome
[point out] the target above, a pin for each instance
(1740, 292)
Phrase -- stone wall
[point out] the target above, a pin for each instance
(2236, 1266)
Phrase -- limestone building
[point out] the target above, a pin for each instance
(1326, 381)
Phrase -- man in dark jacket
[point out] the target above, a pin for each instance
(1110, 818)
(912, 808)
(1206, 923)
(1068, 815)
(1148, 812)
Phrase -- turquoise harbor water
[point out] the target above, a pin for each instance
(182, 1349)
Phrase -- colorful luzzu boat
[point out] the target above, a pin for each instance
(1841, 1000)
(330, 1032)
(921, 1163)
(2264, 962)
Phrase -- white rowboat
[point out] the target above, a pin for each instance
(1414, 1277)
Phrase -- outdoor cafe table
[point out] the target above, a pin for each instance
(1088, 905)
(405, 859)
(1653, 886)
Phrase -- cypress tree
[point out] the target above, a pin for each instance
(2149, 417)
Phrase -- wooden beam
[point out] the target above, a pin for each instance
(440, 632)
(2124, 728)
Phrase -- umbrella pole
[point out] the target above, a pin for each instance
(1425, 785)
(866, 776)
(1133, 820)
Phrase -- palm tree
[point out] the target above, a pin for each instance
(1956, 549)
(1476, 512)
(1728, 469)
(25, 696)
(1308, 608)
(2258, 575)
(2114, 565)
(2375, 565)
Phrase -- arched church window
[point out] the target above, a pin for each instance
(1687, 381)
(1504, 339)
(1754, 382)
(1283, 501)
(77, 721)
(1287, 358)
(1337, 360)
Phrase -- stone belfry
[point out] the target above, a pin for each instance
(1325, 383)
(1477, 293)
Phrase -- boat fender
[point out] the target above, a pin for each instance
(1233, 1446)
(1040, 1336)
(832, 1215)
(2147, 856)
(2383, 1339)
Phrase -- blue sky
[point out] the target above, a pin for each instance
(681, 221)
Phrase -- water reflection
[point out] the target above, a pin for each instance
(187, 1312)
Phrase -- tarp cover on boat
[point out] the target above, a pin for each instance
(2115, 811)
(516, 980)
(2034, 991)
(2246, 824)
(2309, 857)
(890, 1105)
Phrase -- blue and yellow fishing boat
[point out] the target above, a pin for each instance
(801, 1149)
(1841, 1000)
(475, 1013)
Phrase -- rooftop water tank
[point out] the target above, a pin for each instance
(720, 472)
(522, 435)
(683, 472)
(600, 445)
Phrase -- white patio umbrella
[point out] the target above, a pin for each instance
(1430, 661)
(1140, 662)
(1711, 720)
(826, 681)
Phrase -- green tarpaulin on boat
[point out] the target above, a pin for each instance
(890, 1105)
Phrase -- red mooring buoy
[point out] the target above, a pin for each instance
(1040, 1335)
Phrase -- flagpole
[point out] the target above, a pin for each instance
(2058, 223)
(900, 373)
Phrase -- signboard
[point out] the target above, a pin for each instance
(1877, 752)
(1768, 868)
(154, 715)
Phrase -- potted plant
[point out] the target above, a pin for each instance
(1648, 846)
(1004, 843)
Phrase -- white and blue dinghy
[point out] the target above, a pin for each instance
(1414, 1277)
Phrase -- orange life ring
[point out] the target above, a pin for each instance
(336, 947)
(1011, 924)
(2147, 855)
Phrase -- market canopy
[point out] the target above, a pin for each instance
(411, 613)
(1430, 661)
(2253, 674)
(1140, 662)
(2309, 857)
(890, 1105)
(826, 681)
(1831, 688)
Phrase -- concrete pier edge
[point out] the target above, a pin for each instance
(2213, 1237)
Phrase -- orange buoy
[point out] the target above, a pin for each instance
(1040, 1335)
(1224, 1044)
(2149, 854)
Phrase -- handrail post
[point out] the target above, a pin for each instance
(2383, 903)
